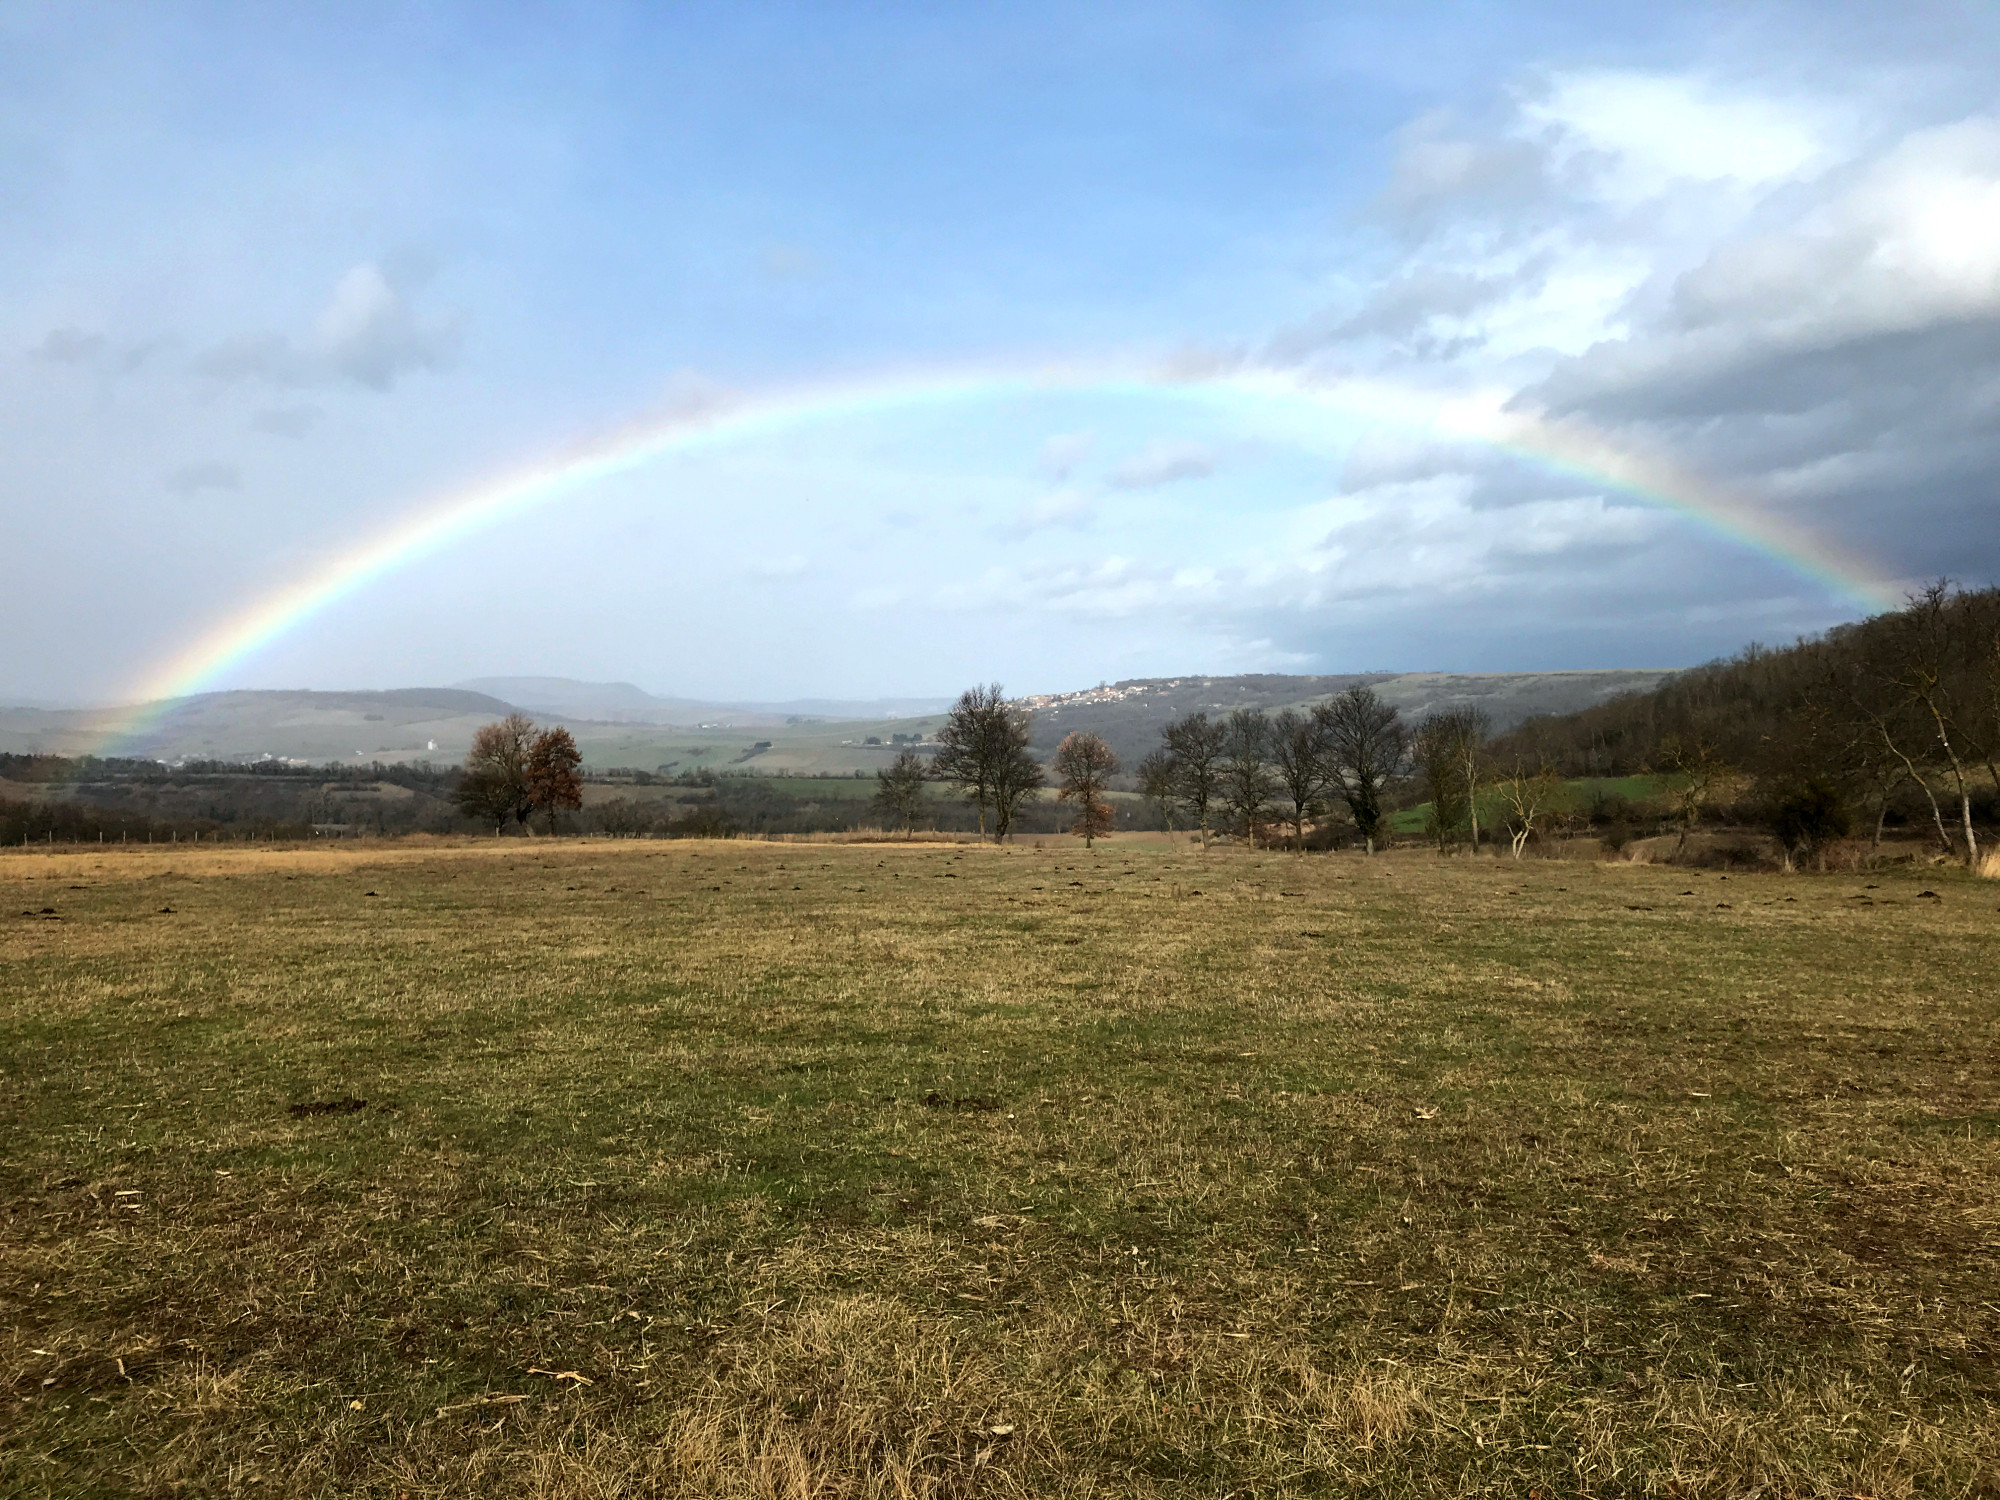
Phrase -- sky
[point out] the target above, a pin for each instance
(276, 280)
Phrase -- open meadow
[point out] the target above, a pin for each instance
(591, 1169)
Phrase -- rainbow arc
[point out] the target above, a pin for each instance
(431, 527)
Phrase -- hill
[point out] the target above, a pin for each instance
(624, 703)
(617, 724)
(1130, 715)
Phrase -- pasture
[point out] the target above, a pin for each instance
(591, 1169)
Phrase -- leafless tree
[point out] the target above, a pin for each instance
(1446, 750)
(1157, 779)
(1528, 798)
(899, 789)
(1247, 783)
(1197, 745)
(1083, 764)
(983, 752)
(1299, 758)
(1695, 773)
(1367, 747)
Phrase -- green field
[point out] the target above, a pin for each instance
(571, 1169)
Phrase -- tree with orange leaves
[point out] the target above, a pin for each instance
(553, 785)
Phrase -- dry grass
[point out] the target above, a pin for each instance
(816, 1171)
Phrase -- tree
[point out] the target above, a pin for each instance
(1016, 771)
(899, 789)
(964, 758)
(1366, 748)
(1696, 771)
(1446, 748)
(1807, 817)
(1158, 779)
(983, 753)
(1196, 745)
(551, 782)
(1247, 782)
(1083, 764)
(1441, 769)
(1938, 670)
(494, 787)
(1298, 756)
(1528, 799)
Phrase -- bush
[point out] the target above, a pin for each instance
(1808, 816)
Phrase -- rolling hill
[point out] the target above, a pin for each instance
(617, 724)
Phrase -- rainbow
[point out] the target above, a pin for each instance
(1566, 446)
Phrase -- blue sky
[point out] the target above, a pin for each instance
(273, 279)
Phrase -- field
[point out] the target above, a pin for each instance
(621, 1169)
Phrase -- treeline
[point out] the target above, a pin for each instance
(63, 822)
(1899, 713)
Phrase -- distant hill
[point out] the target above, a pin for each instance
(617, 724)
(624, 703)
(1129, 715)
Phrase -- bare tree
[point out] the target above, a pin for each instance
(552, 783)
(1083, 764)
(899, 789)
(1367, 746)
(1016, 771)
(983, 753)
(965, 754)
(1477, 729)
(1695, 772)
(1299, 757)
(1933, 675)
(1446, 750)
(1197, 745)
(1158, 779)
(1247, 782)
(494, 788)
(1528, 798)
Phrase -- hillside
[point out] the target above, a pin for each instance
(614, 723)
(1130, 715)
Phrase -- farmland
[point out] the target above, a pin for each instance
(552, 1168)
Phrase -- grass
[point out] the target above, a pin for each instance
(593, 1169)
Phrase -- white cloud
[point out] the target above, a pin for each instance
(1633, 136)
(1164, 463)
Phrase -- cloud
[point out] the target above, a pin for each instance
(1066, 507)
(368, 333)
(1634, 135)
(288, 421)
(1064, 451)
(69, 346)
(189, 479)
(1164, 463)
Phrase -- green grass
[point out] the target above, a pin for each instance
(1642, 792)
(742, 1169)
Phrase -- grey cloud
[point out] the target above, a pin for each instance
(189, 479)
(69, 346)
(1164, 463)
(1400, 309)
(369, 333)
(288, 421)
(1440, 172)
